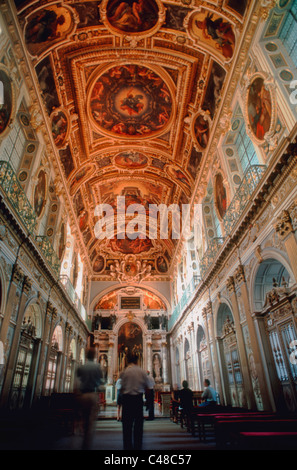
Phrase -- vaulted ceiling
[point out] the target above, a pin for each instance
(131, 92)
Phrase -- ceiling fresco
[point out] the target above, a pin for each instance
(131, 91)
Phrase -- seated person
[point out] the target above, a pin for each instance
(209, 396)
(186, 398)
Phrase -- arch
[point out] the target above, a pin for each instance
(223, 313)
(3, 289)
(33, 315)
(123, 286)
(82, 356)
(73, 349)
(57, 338)
(273, 267)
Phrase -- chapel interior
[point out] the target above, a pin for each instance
(110, 113)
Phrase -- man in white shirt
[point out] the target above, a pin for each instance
(134, 385)
(209, 395)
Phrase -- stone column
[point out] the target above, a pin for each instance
(40, 371)
(26, 288)
(149, 362)
(195, 359)
(247, 384)
(164, 361)
(193, 355)
(241, 282)
(110, 361)
(54, 314)
(13, 301)
(285, 231)
(64, 357)
(213, 358)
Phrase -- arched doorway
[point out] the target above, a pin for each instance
(21, 392)
(177, 368)
(129, 342)
(69, 377)
(276, 306)
(188, 364)
(56, 348)
(203, 360)
(229, 357)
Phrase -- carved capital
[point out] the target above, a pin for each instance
(230, 284)
(284, 225)
(204, 313)
(17, 274)
(239, 274)
(27, 285)
(209, 308)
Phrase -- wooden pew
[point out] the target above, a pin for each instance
(228, 429)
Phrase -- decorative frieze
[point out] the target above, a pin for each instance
(284, 225)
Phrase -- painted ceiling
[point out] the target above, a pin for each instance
(131, 92)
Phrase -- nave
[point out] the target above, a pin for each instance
(160, 434)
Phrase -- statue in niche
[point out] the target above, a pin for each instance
(157, 368)
(104, 366)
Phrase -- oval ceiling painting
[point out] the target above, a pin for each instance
(132, 16)
(131, 101)
(131, 160)
(259, 108)
(59, 128)
(46, 27)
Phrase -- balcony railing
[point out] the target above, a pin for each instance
(16, 196)
(73, 295)
(49, 253)
(210, 254)
(249, 183)
(185, 299)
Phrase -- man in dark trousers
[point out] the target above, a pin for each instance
(150, 397)
(134, 385)
(89, 379)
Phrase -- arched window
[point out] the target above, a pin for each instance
(233, 385)
(288, 33)
(271, 272)
(274, 301)
(56, 346)
(203, 359)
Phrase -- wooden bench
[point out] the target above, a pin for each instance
(228, 429)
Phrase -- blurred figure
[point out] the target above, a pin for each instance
(174, 403)
(150, 397)
(134, 384)
(119, 398)
(89, 378)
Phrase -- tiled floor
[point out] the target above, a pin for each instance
(160, 434)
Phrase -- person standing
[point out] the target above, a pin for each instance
(150, 397)
(134, 384)
(89, 378)
(119, 398)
